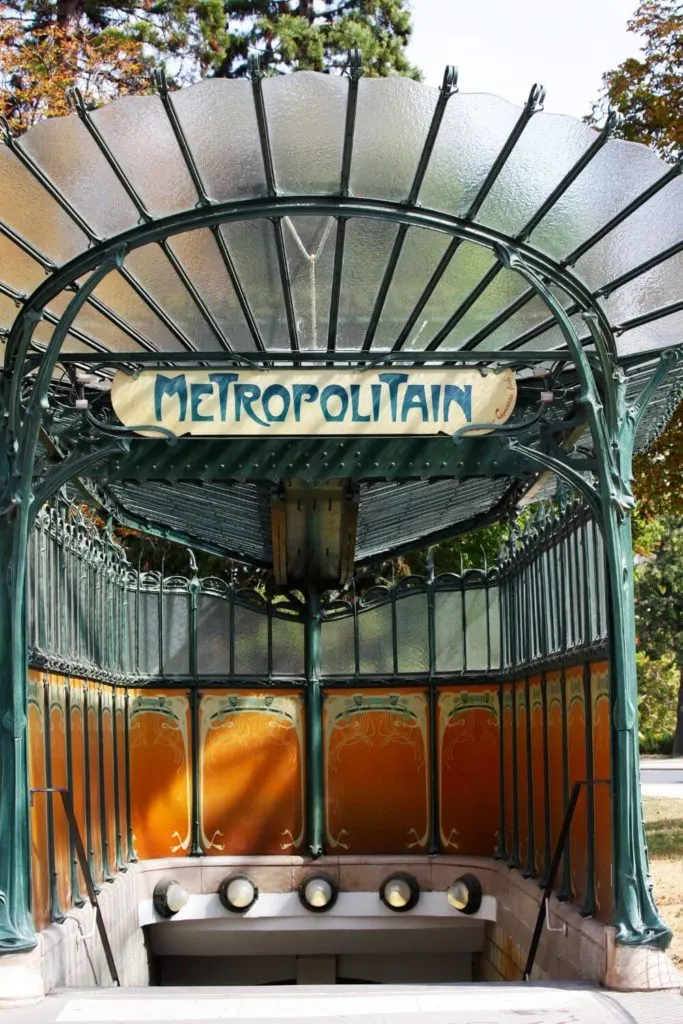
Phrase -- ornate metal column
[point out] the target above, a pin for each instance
(314, 727)
(613, 429)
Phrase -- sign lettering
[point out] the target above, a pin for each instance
(312, 402)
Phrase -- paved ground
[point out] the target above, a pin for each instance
(358, 1004)
(662, 776)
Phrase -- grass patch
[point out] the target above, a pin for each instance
(664, 827)
(664, 831)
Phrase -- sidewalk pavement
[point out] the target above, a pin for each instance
(357, 1004)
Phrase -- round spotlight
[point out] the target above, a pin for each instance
(399, 892)
(169, 897)
(318, 893)
(237, 893)
(465, 894)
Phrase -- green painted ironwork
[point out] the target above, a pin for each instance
(612, 425)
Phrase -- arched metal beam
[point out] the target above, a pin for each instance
(301, 206)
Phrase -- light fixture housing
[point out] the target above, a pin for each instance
(237, 893)
(465, 894)
(169, 897)
(318, 893)
(399, 892)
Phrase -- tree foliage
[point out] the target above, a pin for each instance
(316, 35)
(647, 91)
(108, 49)
(659, 604)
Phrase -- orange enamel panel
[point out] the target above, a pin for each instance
(603, 805)
(522, 774)
(160, 773)
(508, 773)
(251, 772)
(77, 726)
(40, 867)
(469, 760)
(555, 770)
(108, 772)
(576, 739)
(93, 780)
(123, 771)
(537, 771)
(376, 772)
(60, 780)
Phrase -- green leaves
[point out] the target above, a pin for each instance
(647, 92)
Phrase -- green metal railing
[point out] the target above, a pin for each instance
(91, 614)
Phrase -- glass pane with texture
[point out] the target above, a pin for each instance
(412, 633)
(475, 618)
(149, 633)
(176, 646)
(337, 655)
(219, 123)
(306, 115)
(448, 626)
(213, 635)
(375, 638)
(288, 647)
(251, 642)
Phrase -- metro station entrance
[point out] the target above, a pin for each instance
(306, 324)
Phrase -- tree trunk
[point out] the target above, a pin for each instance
(678, 735)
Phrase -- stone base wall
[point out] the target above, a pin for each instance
(70, 954)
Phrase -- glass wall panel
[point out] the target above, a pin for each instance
(375, 636)
(213, 635)
(176, 646)
(149, 633)
(448, 627)
(412, 633)
(475, 617)
(494, 627)
(251, 641)
(288, 647)
(337, 646)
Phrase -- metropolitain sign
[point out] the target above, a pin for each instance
(303, 402)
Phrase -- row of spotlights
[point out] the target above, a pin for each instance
(318, 893)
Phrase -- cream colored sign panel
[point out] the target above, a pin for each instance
(311, 403)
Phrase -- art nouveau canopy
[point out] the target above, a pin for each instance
(310, 219)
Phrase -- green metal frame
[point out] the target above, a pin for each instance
(602, 399)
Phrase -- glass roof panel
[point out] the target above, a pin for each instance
(152, 269)
(287, 290)
(474, 130)
(615, 176)
(65, 151)
(252, 247)
(118, 295)
(420, 255)
(200, 256)
(654, 227)
(392, 121)
(218, 120)
(547, 149)
(306, 125)
(154, 167)
(27, 208)
(659, 334)
(309, 245)
(366, 251)
(18, 270)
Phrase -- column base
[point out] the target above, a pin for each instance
(21, 979)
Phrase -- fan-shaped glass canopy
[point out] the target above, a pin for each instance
(317, 219)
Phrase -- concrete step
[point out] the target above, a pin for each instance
(355, 1004)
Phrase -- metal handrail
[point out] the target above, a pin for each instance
(87, 875)
(554, 867)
